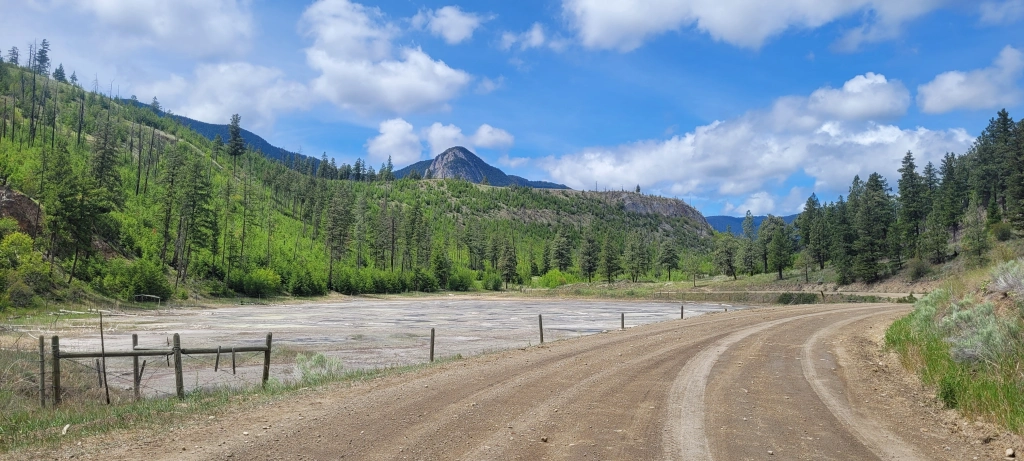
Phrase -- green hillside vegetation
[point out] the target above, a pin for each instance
(131, 203)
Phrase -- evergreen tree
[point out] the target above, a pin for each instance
(561, 251)
(811, 224)
(13, 57)
(749, 255)
(976, 241)
(42, 59)
(59, 75)
(635, 256)
(589, 256)
(913, 203)
(669, 257)
(442, 266)
(764, 237)
(608, 264)
(934, 240)
(780, 250)
(873, 220)
(507, 263)
(236, 146)
(339, 222)
(1015, 184)
(725, 252)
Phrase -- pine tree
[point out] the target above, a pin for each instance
(976, 241)
(725, 252)
(42, 59)
(236, 146)
(635, 256)
(59, 75)
(913, 203)
(608, 262)
(13, 57)
(589, 256)
(561, 252)
(339, 222)
(780, 250)
(873, 220)
(1015, 184)
(669, 257)
(507, 263)
(934, 240)
(764, 237)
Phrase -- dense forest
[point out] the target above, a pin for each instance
(120, 199)
(935, 214)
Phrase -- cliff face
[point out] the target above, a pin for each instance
(652, 204)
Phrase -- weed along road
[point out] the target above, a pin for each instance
(765, 383)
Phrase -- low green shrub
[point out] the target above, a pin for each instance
(917, 269)
(492, 281)
(461, 280)
(317, 369)
(1001, 231)
(261, 282)
(1008, 278)
(797, 298)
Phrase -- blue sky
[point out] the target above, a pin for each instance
(729, 104)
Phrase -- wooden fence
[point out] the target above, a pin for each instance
(175, 351)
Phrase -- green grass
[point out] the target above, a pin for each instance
(24, 425)
(988, 382)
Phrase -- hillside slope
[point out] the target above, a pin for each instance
(459, 163)
(137, 203)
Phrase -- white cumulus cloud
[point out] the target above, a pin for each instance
(1002, 12)
(988, 88)
(361, 69)
(191, 27)
(398, 140)
(216, 91)
(763, 148)
(532, 38)
(441, 137)
(626, 24)
(449, 23)
(864, 97)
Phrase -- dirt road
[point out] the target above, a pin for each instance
(770, 383)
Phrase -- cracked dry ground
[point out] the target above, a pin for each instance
(806, 382)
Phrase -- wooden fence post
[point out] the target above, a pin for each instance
(103, 355)
(682, 312)
(266, 360)
(55, 349)
(42, 372)
(232, 359)
(216, 363)
(431, 344)
(540, 324)
(179, 380)
(622, 321)
(135, 367)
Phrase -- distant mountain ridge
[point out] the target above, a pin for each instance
(722, 223)
(211, 130)
(459, 162)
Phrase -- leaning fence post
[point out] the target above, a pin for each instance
(55, 348)
(431, 344)
(540, 324)
(216, 363)
(135, 367)
(42, 372)
(266, 360)
(179, 380)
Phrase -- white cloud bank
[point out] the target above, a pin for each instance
(201, 28)
(761, 149)
(400, 140)
(449, 23)
(989, 88)
(216, 91)
(626, 24)
(361, 70)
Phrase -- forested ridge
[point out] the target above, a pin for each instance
(128, 201)
(934, 214)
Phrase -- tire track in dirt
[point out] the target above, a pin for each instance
(881, 442)
(687, 435)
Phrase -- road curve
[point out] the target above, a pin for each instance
(742, 385)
